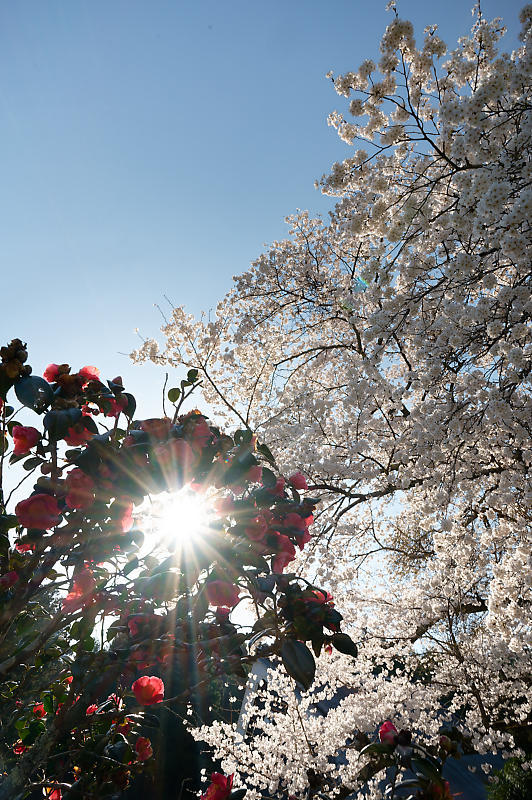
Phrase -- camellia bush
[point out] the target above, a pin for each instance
(92, 624)
(389, 350)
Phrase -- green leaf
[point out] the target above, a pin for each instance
(57, 423)
(131, 405)
(268, 478)
(265, 451)
(298, 662)
(34, 392)
(48, 704)
(31, 463)
(173, 394)
(192, 375)
(238, 794)
(379, 748)
(8, 521)
(130, 566)
(426, 769)
(344, 644)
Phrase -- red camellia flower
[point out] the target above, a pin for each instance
(38, 710)
(8, 580)
(286, 552)
(51, 373)
(143, 748)
(40, 511)
(81, 592)
(298, 481)
(278, 489)
(115, 406)
(148, 690)
(19, 748)
(221, 593)
(220, 787)
(254, 474)
(78, 434)
(91, 709)
(89, 374)
(387, 732)
(157, 428)
(24, 438)
(257, 530)
(53, 794)
(80, 489)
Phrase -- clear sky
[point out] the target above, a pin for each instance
(153, 147)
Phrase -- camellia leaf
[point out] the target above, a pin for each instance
(298, 662)
(34, 392)
(192, 375)
(268, 478)
(173, 394)
(344, 644)
(57, 423)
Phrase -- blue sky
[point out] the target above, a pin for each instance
(153, 147)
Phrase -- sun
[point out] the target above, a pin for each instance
(174, 518)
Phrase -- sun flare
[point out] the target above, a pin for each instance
(172, 518)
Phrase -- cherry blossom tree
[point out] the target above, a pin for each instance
(388, 349)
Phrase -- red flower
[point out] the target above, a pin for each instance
(78, 434)
(221, 593)
(143, 748)
(254, 474)
(91, 709)
(89, 374)
(24, 439)
(257, 530)
(148, 690)
(157, 428)
(19, 748)
(201, 434)
(53, 794)
(114, 406)
(39, 511)
(298, 481)
(81, 593)
(38, 710)
(320, 597)
(286, 552)
(80, 489)
(219, 788)
(52, 372)
(8, 580)
(125, 520)
(388, 732)
(142, 623)
(278, 489)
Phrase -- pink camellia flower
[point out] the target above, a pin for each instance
(40, 511)
(80, 489)
(257, 529)
(286, 552)
(8, 580)
(82, 591)
(219, 788)
(143, 748)
(148, 690)
(157, 428)
(298, 481)
(254, 474)
(222, 593)
(388, 732)
(24, 438)
(142, 623)
(126, 518)
(89, 374)
(278, 489)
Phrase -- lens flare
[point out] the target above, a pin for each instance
(172, 518)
